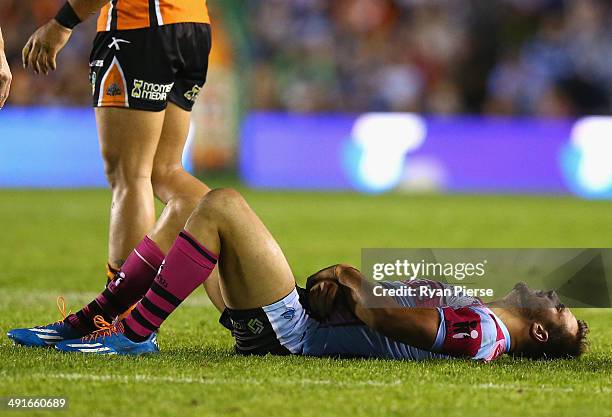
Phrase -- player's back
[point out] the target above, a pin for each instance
(138, 14)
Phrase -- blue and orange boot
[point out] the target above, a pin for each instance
(44, 336)
(109, 340)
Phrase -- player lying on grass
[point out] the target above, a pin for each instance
(267, 313)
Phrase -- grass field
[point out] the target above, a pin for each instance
(54, 243)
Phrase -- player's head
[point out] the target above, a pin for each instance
(554, 332)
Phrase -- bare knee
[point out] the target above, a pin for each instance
(172, 185)
(217, 210)
(221, 203)
(223, 199)
(121, 172)
(163, 179)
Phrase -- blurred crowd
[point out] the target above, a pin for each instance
(525, 57)
(544, 57)
(69, 85)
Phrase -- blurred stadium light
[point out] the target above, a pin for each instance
(587, 158)
(457, 154)
(374, 155)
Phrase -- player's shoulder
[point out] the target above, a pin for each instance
(472, 331)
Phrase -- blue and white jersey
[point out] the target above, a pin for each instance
(467, 329)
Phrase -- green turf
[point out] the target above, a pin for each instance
(54, 242)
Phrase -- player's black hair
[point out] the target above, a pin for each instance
(561, 343)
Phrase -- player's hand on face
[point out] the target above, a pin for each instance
(40, 53)
(5, 79)
(322, 297)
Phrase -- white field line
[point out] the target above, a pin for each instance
(74, 299)
(296, 381)
(199, 380)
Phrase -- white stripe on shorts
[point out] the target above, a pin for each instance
(158, 14)
(290, 322)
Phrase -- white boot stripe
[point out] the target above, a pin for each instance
(93, 350)
(84, 345)
(43, 330)
(48, 337)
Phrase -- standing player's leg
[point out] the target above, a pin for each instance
(131, 77)
(128, 142)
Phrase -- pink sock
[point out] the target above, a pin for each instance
(133, 280)
(186, 267)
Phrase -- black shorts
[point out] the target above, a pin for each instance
(143, 69)
(278, 329)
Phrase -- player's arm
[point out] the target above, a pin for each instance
(323, 291)
(40, 52)
(5, 74)
(416, 327)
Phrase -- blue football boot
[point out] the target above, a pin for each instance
(109, 340)
(49, 335)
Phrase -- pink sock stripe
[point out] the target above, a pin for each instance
(196, 242)
(76, 323)
(159, 302)
(136, 327)
(154, 320)
(102, 302)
